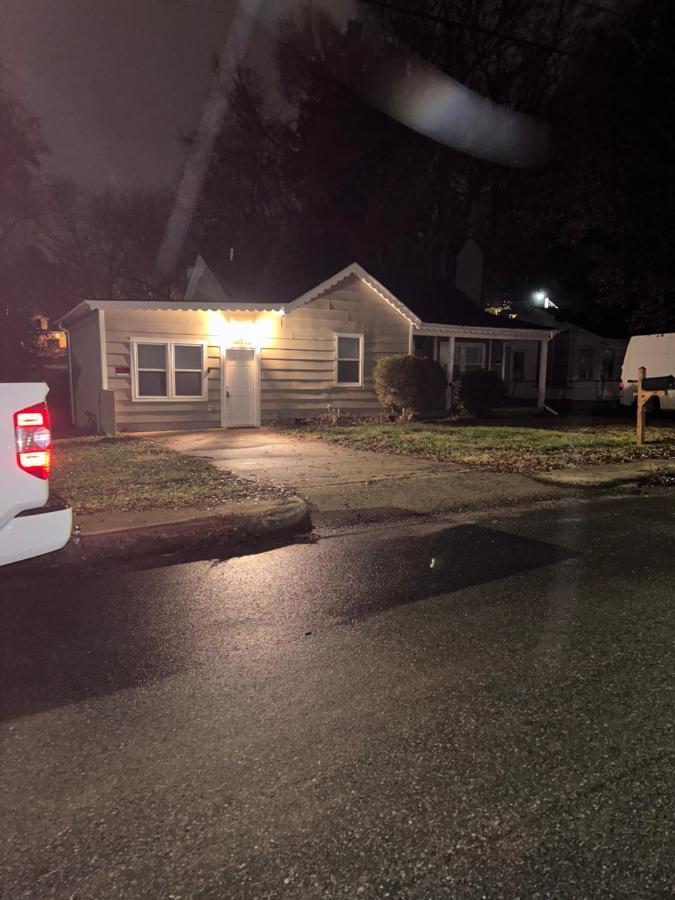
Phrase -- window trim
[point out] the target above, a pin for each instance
(171, 396)
(348, 384)
(460, 355)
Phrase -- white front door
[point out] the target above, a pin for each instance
(240, 388)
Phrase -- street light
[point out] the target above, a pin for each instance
(542, 298)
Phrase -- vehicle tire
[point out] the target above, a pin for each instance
(653, 406)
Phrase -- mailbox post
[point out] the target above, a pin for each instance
(646, 389)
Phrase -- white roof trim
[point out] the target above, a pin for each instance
(373, 284)
(429, 329)
(169, 306)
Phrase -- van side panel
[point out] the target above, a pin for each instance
(656, 352)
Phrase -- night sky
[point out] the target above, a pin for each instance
(117, 83)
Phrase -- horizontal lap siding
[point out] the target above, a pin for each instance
(297, 361)
(297, 370)
(144, 415)
(86, 369)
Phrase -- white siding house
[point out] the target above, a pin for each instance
(209, 361)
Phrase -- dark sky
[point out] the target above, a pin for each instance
(116, 83)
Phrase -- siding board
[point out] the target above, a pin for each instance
(297, 369)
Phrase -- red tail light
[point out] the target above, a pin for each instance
(621, 384)
(33, 438)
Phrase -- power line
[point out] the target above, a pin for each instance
(482, 29)
(598, 8)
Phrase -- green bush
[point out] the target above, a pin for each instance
(480, 390)
(406, 385)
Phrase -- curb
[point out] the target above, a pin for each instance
(221, 536)
(655, 471)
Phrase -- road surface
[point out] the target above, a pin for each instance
(435, 710)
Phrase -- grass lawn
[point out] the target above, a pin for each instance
(118, 474)
(505, 448)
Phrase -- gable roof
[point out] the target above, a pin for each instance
(204, 284)
(445, 311)
(358, 271)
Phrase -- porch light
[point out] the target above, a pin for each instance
(254, 333)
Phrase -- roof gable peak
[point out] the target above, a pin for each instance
(357, 270)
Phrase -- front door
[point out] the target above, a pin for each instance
(240, 388)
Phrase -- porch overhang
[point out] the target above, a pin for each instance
(481, 332)
(169, 306)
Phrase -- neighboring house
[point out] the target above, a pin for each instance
(50, 343)
(583, 367)
(210, 361)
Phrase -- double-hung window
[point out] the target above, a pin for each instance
(168, 370)
(468, 357)
(349, 359)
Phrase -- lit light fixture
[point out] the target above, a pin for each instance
(542, 298)
(243, 331)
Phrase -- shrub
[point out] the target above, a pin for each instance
(406, 385)
(480, 390)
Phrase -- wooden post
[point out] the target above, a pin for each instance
(543, 371)
(641, 402)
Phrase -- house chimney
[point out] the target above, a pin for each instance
(469, 271)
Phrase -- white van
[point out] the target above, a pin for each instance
(656, 352)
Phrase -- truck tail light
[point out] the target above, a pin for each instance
(33, 437)
(621, 384)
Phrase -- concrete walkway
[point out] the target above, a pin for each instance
(342, 484)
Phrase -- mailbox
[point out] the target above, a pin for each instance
(659, 383)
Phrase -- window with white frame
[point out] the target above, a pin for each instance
(169, 370)
(349, 359)
(467, 358)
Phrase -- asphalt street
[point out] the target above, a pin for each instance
(448, 709)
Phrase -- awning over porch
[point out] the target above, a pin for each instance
(508, 351)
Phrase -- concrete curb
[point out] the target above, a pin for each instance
(608, 475)
(220, 536)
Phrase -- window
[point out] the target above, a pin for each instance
(349, 359)
(468, 357)
(586, 364)
(188, 368)
(168, 370)
(152, 370)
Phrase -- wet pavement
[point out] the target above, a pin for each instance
(453, 709)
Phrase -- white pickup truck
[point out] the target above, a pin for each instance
(30, 523)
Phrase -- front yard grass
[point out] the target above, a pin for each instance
(505, 448)
(120, 474)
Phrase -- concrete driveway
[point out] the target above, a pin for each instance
(342, 483)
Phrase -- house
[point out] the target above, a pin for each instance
(211, 361)
(50, 343)
(583, 367)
